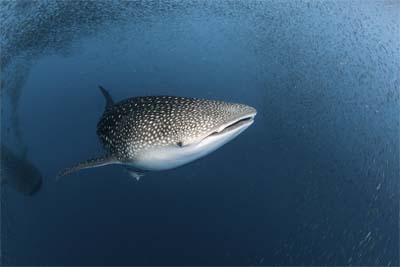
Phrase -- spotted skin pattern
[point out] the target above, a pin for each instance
(156, 132)
(139, 123)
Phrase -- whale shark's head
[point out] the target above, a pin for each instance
(154, 133)
(164, 132)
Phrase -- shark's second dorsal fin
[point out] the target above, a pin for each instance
(90, 163)
(106, 94)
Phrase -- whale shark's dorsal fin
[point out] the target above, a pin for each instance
(106, 94)
(90, 163)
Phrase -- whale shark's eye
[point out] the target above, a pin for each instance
(180, 143)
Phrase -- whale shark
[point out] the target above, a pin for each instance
(156, 133)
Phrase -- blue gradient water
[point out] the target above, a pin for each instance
(314, 181)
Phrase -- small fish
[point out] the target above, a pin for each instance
(155, 133)
(18, 172)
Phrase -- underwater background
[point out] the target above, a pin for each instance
(314, 181)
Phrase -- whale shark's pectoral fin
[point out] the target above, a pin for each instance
(90, 163)
(135, 173)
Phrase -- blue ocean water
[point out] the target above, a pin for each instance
(314, 181)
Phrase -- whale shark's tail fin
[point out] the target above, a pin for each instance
(90, 163)
(106, 94)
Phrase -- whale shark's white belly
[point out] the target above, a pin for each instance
(172, 156)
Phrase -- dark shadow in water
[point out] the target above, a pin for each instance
(25, 179)
(18, 172)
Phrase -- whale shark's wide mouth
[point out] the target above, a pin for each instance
(234, 125)
(230, 127)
